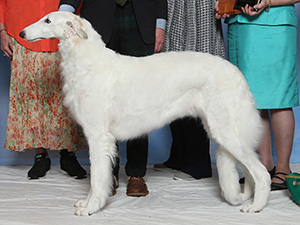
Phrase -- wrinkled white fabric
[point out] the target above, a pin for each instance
(50, 201)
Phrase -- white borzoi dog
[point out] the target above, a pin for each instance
(115, 97)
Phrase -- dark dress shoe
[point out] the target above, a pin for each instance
(136, 187)
(70, 165)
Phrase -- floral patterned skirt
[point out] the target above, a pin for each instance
(37, 117)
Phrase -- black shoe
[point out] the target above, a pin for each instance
(271, 172)
(40, 167)
(279, 186)
(70, 165)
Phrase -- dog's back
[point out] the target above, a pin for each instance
(168, 86)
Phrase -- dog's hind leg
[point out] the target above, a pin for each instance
(228, 176)
(248, 186)
(262, 183)
(260, 176)
(257, 171)
(102, 151)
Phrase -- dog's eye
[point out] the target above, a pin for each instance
(47, 21)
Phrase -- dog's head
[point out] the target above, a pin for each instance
(61, 25)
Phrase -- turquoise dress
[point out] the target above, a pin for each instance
(264, 48)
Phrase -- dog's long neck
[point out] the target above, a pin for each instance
(80, 56)
(78, 51)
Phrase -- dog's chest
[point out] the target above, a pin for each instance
(73, 91)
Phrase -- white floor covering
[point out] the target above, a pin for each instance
(50, 201)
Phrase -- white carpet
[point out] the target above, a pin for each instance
(50, 201)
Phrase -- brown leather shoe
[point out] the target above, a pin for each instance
(136, 187)
(115, 185)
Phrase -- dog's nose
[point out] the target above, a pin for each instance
(22, 34)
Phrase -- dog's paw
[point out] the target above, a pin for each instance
(84, 211)
(81, 203)
(89, 206)
(87, 211)
(251, 209)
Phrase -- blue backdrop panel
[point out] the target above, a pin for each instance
(159, 141)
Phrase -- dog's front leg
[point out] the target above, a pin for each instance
(102, 152)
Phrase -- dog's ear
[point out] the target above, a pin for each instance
(75, 28)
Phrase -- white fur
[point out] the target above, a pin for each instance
(115, 97)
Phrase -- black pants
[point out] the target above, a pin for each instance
(190, 148)
(127, 40)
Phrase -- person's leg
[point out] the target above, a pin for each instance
(136, 166)
(137, 156)
(177, 153)
(283, 126)
(197, 162)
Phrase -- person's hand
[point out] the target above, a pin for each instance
(6, 44)
(159, 39)
(217, 12)
(256, 9)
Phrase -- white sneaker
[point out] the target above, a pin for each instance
(162, 168)
(179, 175)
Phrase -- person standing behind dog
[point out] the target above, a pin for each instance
(263, 44)
(37, 119)
(191, 26)
(135, 28)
